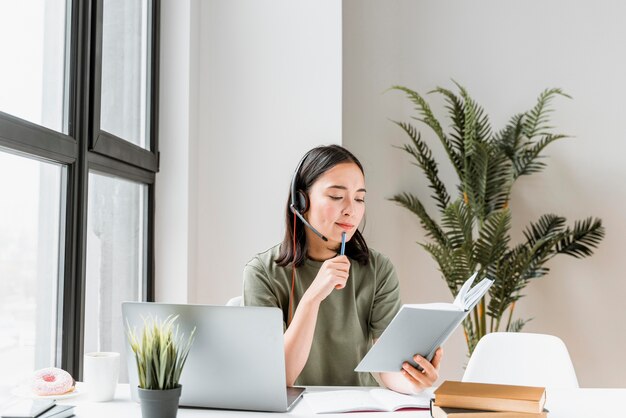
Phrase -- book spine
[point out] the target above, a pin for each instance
(492, 404)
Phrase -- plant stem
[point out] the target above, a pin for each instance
(508, 323)
(483, 319)
(476, 324)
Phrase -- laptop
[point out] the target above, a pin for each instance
(237, 360)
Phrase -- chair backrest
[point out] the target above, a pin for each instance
(236, 301)
(517, 358)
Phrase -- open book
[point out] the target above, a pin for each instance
(364, 400)
(421, 329)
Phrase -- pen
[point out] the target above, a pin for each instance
(343, 243)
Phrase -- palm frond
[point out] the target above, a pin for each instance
(477, 127)
(448, 266)
(412, 203)
(580, 241)
(517, 325)
(493, 241)
(547, 226)
(500, 180)
(537, 118)
(528, 161)
(428, 118)
(475, 179)
(458, 223)
(454, 106)
(510, 138)
(424, 159)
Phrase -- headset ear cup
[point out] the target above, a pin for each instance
(302, 200)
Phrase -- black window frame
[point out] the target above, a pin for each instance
(106, 143)
(83, 149)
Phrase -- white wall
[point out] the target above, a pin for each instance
(176, 223)
(268, 88)
(505, 53)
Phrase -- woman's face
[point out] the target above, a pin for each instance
(337, 202)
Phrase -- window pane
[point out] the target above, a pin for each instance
(124, 70)
(116, 259)
(33, 75)
(30, 220)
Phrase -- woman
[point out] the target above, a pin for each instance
(334, 306)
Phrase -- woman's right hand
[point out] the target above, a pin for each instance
(332, 275)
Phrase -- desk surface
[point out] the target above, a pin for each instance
(562, 403)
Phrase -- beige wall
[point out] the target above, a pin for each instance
(505, 53)
(248, 86)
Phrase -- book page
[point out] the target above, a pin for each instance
(341, 401)
(439, 306)
(476, 293)
(394, 400)
(461, 296)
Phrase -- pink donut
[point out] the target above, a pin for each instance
(52, 381)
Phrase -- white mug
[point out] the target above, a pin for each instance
(100, 373)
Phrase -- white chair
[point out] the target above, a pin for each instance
(236, 301)
(517, 358)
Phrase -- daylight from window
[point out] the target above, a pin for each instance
(30, 220)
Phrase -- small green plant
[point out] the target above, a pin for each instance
(473, 231)
(161, 353)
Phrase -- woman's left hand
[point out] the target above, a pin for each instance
(429, 374)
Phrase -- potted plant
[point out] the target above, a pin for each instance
(472, 234)
(160, 353)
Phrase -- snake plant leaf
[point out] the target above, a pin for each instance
(160, 352)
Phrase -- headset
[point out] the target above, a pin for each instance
(300, 201)
(299, 205)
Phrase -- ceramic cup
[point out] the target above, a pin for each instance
(100, 373)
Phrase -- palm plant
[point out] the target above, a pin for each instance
(473, 233)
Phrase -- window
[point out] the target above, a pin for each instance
(124, 70)
(123, 86)
(30, 254)
(116, 264)
(76, 175)
(34, 43)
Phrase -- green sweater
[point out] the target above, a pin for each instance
(348, 319)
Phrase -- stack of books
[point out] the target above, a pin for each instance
(481, 400)
(37, 408)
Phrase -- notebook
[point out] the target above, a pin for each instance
(237, 360)
(420, 329)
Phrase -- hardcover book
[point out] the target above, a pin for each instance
(491, 397)
(447, 412)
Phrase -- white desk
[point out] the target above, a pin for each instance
(562, 403)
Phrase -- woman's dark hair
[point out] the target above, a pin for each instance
(315, 163)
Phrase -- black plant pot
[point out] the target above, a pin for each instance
(159, 403)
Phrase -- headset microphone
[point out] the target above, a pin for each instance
(315, 231)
